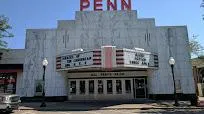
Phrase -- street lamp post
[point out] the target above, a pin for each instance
(44, 63)
(172, 62)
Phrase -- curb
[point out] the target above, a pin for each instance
(142, 108)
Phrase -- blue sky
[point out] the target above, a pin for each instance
(26, 14)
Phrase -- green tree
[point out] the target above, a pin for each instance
(196, 49)
(4, 33)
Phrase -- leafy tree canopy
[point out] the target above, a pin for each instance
(196, 49)
(4, 33)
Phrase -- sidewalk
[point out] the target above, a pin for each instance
(201, 101)
(85, 106)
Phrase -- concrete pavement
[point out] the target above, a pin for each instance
(151, 111)
(135, 107)
(86, 106)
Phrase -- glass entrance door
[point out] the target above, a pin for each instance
(139, 87)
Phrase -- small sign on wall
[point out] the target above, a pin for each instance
(38, 87)
(178, 86)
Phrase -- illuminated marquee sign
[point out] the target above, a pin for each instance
(76, 60)
(100, 5)
(97, 59)
(138, 59)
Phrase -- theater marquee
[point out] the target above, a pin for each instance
(137, 59)
(108, 57)
(75, 60)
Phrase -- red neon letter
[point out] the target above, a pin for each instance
(84, 4)
(110, 4)
(125, 4)
(98, 5)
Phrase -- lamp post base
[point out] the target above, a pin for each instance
(43, 104)
(176, 104)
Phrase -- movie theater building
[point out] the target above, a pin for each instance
(101, 55)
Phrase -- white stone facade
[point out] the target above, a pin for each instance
(91, 30)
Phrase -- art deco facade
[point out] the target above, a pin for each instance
(103, 55)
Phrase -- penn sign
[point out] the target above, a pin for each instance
(100, 5)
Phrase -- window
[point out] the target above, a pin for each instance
(109, 87)
(118, 86)
(127, 86)
(73, 87)
(91, 86)
(100, 87)
(82, 87)
(8, 83)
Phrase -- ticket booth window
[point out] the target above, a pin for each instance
(109, 87)
(73, 87)
(118, 87)
(91, 86)
(100, 87)
(82, 87)
(128, 86)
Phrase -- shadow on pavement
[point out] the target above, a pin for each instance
(7, 112)
(173, 111)
(168, 103)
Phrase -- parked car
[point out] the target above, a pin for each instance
(9, 102)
